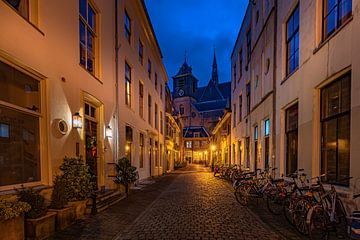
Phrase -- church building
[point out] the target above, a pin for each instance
(201, 109)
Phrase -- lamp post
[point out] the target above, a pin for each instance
(213, 148)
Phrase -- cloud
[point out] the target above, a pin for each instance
(197, 27)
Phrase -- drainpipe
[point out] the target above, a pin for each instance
(274, 87)
(116, 152)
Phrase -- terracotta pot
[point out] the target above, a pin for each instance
(40, 228)
(12, 229)
(80, 208)
(64, 217)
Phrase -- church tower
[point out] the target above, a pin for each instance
(184, 82)
(214, 76)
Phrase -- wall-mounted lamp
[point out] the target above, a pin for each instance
(213, 147)
(127, 148)
(108, 132)
(77, 120)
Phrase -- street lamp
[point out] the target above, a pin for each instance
(213, 148)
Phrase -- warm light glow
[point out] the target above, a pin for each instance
(213, 147)
(77, 120)
(206, 152)
(127, 148)
(108, 132)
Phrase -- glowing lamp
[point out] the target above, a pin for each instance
(77, 120)
(127, 148)
(213, 147)
(108, 132)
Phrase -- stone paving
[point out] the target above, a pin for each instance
(188, 204)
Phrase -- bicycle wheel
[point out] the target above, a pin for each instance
(341, 220)
(287, 208)
(275, 200)
(242, 194)
(318, 224)
(301, 210)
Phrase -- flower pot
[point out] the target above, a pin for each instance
(64, 217)
(12, 229)
(80, 208)
(40, 228)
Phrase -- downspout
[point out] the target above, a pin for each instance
(274, 87)
(116, 152)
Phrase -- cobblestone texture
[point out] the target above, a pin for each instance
(190, 204)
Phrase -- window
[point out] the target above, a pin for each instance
(247, 145)
(292, 42)
(149, 68)
(256, 150)
(156, 82)
(20, 115)
(141, 53)
(21, 6)
(149, 110)
(87, 36)
(240, 62)
(234, 72)
(267, 142)
(248, 98)
(335, 130)
(181, 109)
(142, 150)
(156, 153)
(156, 117)
(127, 27)
(161, 123)
(291, 132)
(234, 116)
(248, 46)
(188, 144)
(240, 152)
(240, 108)
(335, 14)
(181, 82)
(141, 99)
(127, 84)
(129, 140)
(161, 91)
(196, 135)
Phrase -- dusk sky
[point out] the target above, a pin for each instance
(197, 26)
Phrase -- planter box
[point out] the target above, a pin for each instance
(40, 228)
(64, 217)
(80, 208)
(12, 229)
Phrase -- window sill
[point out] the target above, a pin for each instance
(27, 20)
(324, 42)
(289, 75)
(91, 74)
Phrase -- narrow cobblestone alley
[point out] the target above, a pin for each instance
(188, 204)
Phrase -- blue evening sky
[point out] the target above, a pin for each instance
(197, 26)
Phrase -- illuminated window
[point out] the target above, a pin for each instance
(21, 6)
(142, 150)
(20, 116)
(292, 42)
(188, 144)
(335, 130)
(127, 26)
(87, 35)
(127, 84)
(335, 14)
(129, 141)
(267, 143)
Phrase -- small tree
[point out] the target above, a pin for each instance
(77, 179)
(125, 173)
(58, 196)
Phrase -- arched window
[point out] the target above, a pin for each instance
(181, 108)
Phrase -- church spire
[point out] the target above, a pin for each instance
(214, 76)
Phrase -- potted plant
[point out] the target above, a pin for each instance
(39, 223)
(65, 215)
(125, 173)
(12, 219)
(78, 185)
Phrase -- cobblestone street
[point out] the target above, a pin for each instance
(188, 204)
